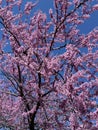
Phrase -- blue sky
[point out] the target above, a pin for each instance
(90, 23)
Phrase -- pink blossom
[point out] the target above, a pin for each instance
(95, 7)
(76, 2)
(0, 1)
(50, 11)
(10, 0)
(86, 16)
(19, 2)
(29, 6)
(29, 112)
(73, 121)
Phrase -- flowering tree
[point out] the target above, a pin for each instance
(48, 70)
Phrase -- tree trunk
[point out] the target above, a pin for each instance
(32, 117)
(31, 125)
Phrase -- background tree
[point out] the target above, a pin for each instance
(48, 70)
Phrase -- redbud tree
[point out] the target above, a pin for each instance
(48, 69)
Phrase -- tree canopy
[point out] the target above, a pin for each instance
(48, 69)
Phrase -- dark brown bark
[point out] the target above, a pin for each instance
(32, 117)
